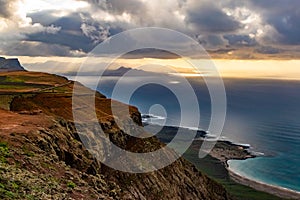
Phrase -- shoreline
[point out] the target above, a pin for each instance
(264, 187)
(225, 150)
(227, 154)
(232, 152)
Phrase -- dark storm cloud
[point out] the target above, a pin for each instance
(289, 29)
(67, 34)
(70, 35)
(276, 5)
(240, 40)
(283, 15)
(38, 49)
(210, 18)
(212, 41)
(78, 30)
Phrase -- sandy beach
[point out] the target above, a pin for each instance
(278, 191)
(225, 151)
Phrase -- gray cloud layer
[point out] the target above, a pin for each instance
(208, 18)
(284, 16)
(229, 24)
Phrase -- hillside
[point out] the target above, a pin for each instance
(42, 157)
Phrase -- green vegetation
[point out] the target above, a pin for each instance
(4, 152)
(14, 80)
(17, 182)
(18, 79)
(215, 170)
(9, 79)
(71, 185)
(61, 89)
(9, 189)
(20, 82)
(15, 87)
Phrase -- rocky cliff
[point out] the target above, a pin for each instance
(7, 65)
(42, 156)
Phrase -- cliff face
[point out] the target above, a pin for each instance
(41, 154)
(7, 65)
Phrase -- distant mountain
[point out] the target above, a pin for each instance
(131, 72)
(151, 53)
(8, 65)
(117, 72)
(121, 71)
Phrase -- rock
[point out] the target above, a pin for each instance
(7, 65)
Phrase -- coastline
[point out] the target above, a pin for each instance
(227, 153)
(225, 150)
(276, 190)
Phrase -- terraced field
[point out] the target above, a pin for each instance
(27, 84)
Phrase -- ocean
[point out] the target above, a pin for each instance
(262, 113)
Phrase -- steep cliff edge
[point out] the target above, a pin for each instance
(42, 156)
(7, 65)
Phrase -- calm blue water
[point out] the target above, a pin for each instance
(262, 113)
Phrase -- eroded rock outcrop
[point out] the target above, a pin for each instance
(7, 65)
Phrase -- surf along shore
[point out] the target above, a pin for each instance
(215, 165)
(278, 191)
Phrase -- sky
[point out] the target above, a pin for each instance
(51, 33)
